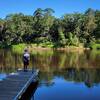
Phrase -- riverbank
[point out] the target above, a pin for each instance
(35, 47)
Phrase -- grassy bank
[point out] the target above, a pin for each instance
(94, 46)
(20, 47)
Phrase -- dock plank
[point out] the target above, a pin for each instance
(15, 85)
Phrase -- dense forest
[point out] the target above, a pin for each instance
(76, 29)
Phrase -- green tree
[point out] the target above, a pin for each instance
(97, 30)
(89, 24)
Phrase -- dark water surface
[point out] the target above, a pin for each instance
(63, 75)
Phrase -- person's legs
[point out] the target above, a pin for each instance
(24, 66)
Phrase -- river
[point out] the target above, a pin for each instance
(64, 75)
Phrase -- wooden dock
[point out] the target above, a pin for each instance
(15, 85)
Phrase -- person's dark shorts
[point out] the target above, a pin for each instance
(26, 62)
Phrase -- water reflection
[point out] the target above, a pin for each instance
(67, 90)
(59, 69)
(9, 62)
(90, 77)
(49, 60)
(75, 66)
(2, 76)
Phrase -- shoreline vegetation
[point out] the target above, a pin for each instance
(34, 47)
(42, 30)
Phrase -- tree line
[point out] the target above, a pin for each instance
(42, 27)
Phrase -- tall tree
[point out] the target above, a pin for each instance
(89, 24)
(97, 30)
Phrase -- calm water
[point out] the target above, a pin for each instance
(63, 75)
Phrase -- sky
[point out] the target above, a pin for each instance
(60, 7)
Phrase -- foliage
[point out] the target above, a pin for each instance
(45, 30)
(18, 48)
(94, 45)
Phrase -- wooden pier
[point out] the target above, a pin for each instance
(15, 85)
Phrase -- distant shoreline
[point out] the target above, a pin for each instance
(32, 47)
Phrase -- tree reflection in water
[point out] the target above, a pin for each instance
(90, 77)
(58, 66)
(72, 66)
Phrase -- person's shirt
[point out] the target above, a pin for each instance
(26, 56)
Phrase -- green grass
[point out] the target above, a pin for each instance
(18, 48)
(46, 45)
(95, 46)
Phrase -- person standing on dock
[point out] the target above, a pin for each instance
(26, 58)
